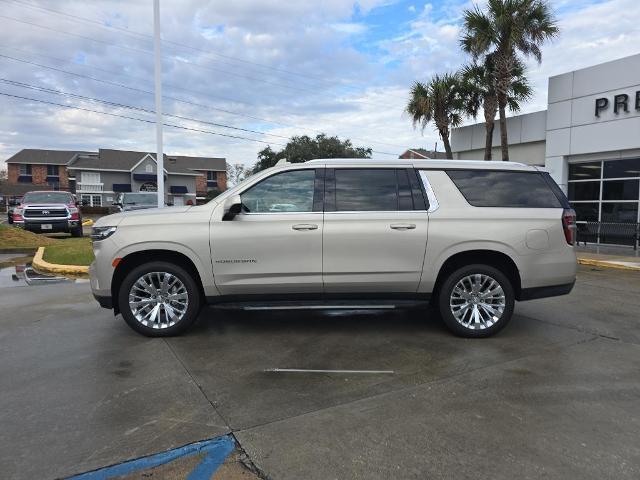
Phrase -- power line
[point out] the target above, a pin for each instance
(190, 47)
(107, 82)
(181, 127)
(188, 62)
(131, 107)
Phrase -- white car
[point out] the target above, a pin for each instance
(472, 237)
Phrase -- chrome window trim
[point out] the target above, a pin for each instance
(280, 213)
(360, 212)
(431, 196)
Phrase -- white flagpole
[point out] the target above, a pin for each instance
(158, 91)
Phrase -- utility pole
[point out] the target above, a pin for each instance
(158, 91)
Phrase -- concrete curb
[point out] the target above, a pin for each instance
(47, 267)
(607, 264)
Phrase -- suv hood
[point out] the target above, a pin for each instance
(139, 216)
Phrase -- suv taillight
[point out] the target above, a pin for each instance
(569, 225)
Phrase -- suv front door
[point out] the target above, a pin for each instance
(274, 246)
(375, 230)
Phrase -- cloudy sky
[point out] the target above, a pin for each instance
(269, 69)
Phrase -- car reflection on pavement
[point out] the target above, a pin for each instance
(25, 274)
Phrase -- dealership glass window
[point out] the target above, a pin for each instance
(585, 171)
(584, 190)
(622, 168)
(620, 189)
(586, 212)
(620, 212)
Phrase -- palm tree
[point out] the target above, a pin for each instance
(478, 81)
(438, 101)
(507, 28)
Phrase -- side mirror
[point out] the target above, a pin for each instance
(232, 207)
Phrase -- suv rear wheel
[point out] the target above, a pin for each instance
(159, 299)
(476, 301)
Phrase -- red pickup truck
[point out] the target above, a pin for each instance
(49, 212)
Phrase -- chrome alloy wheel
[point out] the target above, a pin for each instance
(477, 301)
(158, 300)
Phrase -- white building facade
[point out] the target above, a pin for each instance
(588, 138)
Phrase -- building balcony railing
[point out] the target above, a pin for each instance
(89, 187)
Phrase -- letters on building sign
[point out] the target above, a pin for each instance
(620, 103)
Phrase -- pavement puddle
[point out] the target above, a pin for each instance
(23, 274)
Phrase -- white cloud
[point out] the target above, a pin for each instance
(310, 75)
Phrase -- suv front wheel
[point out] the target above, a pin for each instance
(476, 301)
(159, 299)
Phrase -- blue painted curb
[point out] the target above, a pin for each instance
(216, 449)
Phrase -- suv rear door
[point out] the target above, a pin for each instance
(375, 230)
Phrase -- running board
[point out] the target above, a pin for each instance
(320, 307)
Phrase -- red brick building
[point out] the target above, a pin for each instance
(98, 177)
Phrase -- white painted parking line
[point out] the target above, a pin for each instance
(305, 370)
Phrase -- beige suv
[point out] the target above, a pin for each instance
(471, 237)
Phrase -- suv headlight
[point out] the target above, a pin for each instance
(100, 233)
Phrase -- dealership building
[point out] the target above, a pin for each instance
(588, 138)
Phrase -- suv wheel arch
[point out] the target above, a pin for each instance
(492, 258)
(133, 260)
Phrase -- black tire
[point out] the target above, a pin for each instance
(481, 330)
(10, 219)
(77, 232)
(193, 292)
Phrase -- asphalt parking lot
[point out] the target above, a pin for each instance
(555, 395)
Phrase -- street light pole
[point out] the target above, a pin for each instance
(158, 92)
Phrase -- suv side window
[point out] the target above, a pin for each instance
(290, 191)
(372, 189)
(487, 188)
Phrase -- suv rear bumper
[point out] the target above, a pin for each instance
(544, 292)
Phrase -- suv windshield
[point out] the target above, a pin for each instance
(139, 199)
(48, 197)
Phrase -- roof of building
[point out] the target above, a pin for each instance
(422, 153)
(109, 159)
(38, 156)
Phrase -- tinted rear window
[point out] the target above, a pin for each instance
(484, 188)
(366, 190)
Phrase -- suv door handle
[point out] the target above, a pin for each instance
(305, 226)
(403, 226)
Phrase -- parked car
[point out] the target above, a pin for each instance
(13, 203)
(471, 237)
(126, 202)
(49, 212)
